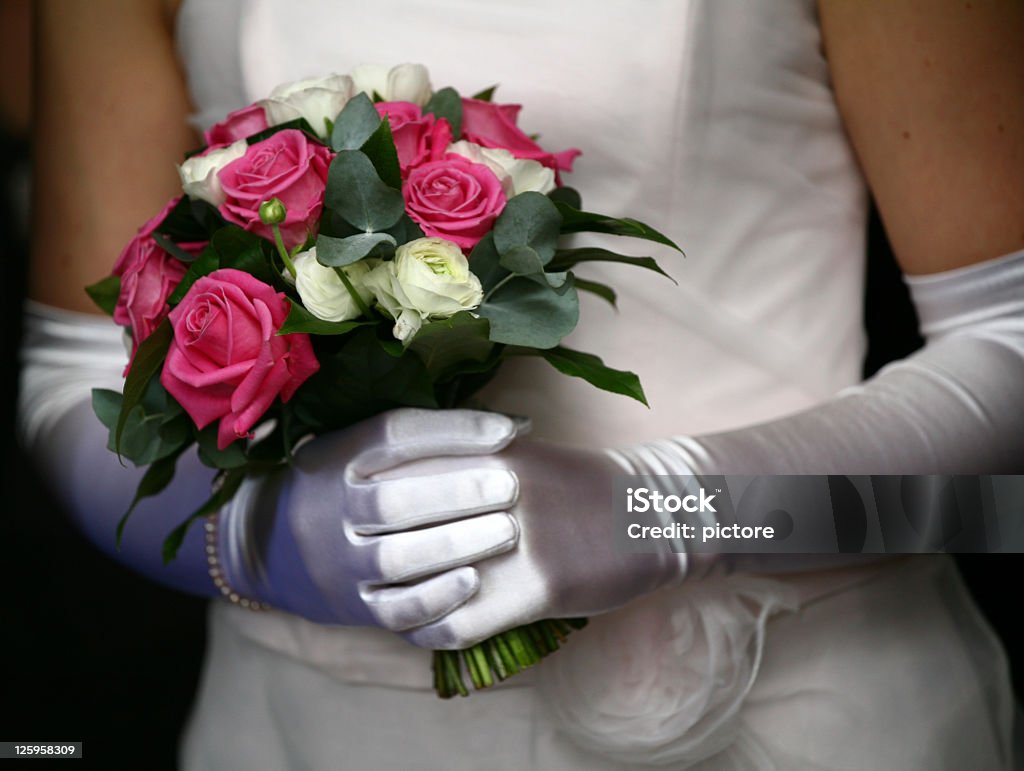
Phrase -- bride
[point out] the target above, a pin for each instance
(748, 132)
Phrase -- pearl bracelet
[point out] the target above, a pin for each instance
(217, 574)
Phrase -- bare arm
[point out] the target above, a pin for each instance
(931, 94)
(110, 110)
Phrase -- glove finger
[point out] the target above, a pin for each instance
(403, 607)
(400, 504)
(412, 554)
(411, 434)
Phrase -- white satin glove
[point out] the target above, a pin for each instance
(397, 522)
(565, 563)
(328, 540)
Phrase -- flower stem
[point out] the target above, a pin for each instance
(285, 257)
(360, 303)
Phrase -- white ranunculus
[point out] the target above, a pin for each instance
(318, 100)
(517, 175)
(322, 292)
(428, 279)
(402, 83)
(199, 177)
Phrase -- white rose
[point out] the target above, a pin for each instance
(322, 292)
(402, 83)
(318, 100)
(199, 177)
(517, 175)
(428, 279)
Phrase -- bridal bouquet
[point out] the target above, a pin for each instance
(349, 245)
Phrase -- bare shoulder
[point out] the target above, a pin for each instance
(930, 91)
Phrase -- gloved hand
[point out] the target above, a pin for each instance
(330, 541)
(565, 563)
(389, 519)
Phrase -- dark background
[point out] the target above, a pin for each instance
(91, 651)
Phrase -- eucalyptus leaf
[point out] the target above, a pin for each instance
(447, 104)
(339, 252)
(524, 261)
(567, 258)
(355, 123)
(107, 406)
(594, 371)
(105, 293)
(567, 195)
(446, 344)
(149, 358)
(405, 230)
(595, 287)
(524, 313)
(357, 194)
(301, 320)
(576, 221)
(232, 456)
(380, 149)
(485, 263)
(528, 219)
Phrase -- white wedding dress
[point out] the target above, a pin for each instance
(716, 123)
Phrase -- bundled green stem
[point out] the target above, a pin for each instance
(498, 658)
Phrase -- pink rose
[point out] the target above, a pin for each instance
(418, 138)
(287, 166)
(454, 199)
(239, 124)
(494, 125)
(226, 360)
(148, 276)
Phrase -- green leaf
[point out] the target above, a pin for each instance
(357, 194)
(149, 358)
(301, 124)
(155, 428)
(232, 456)
(594, 371)
(595, 287)
(566, 195)
(446, 344)
(190, 221)
(486, 95)
(405, 230)
(485, 263)
(524, 261)
(105, 293)
(338, 252)
(526, 314)
(231, 480)
(447, 104)
(153, 482)
(576, 221)
(567, 258)
(244, 251)
(301, 320)
(172, 248)
(528, 219)
(205, 264)
(380, 149)
(354, 124)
